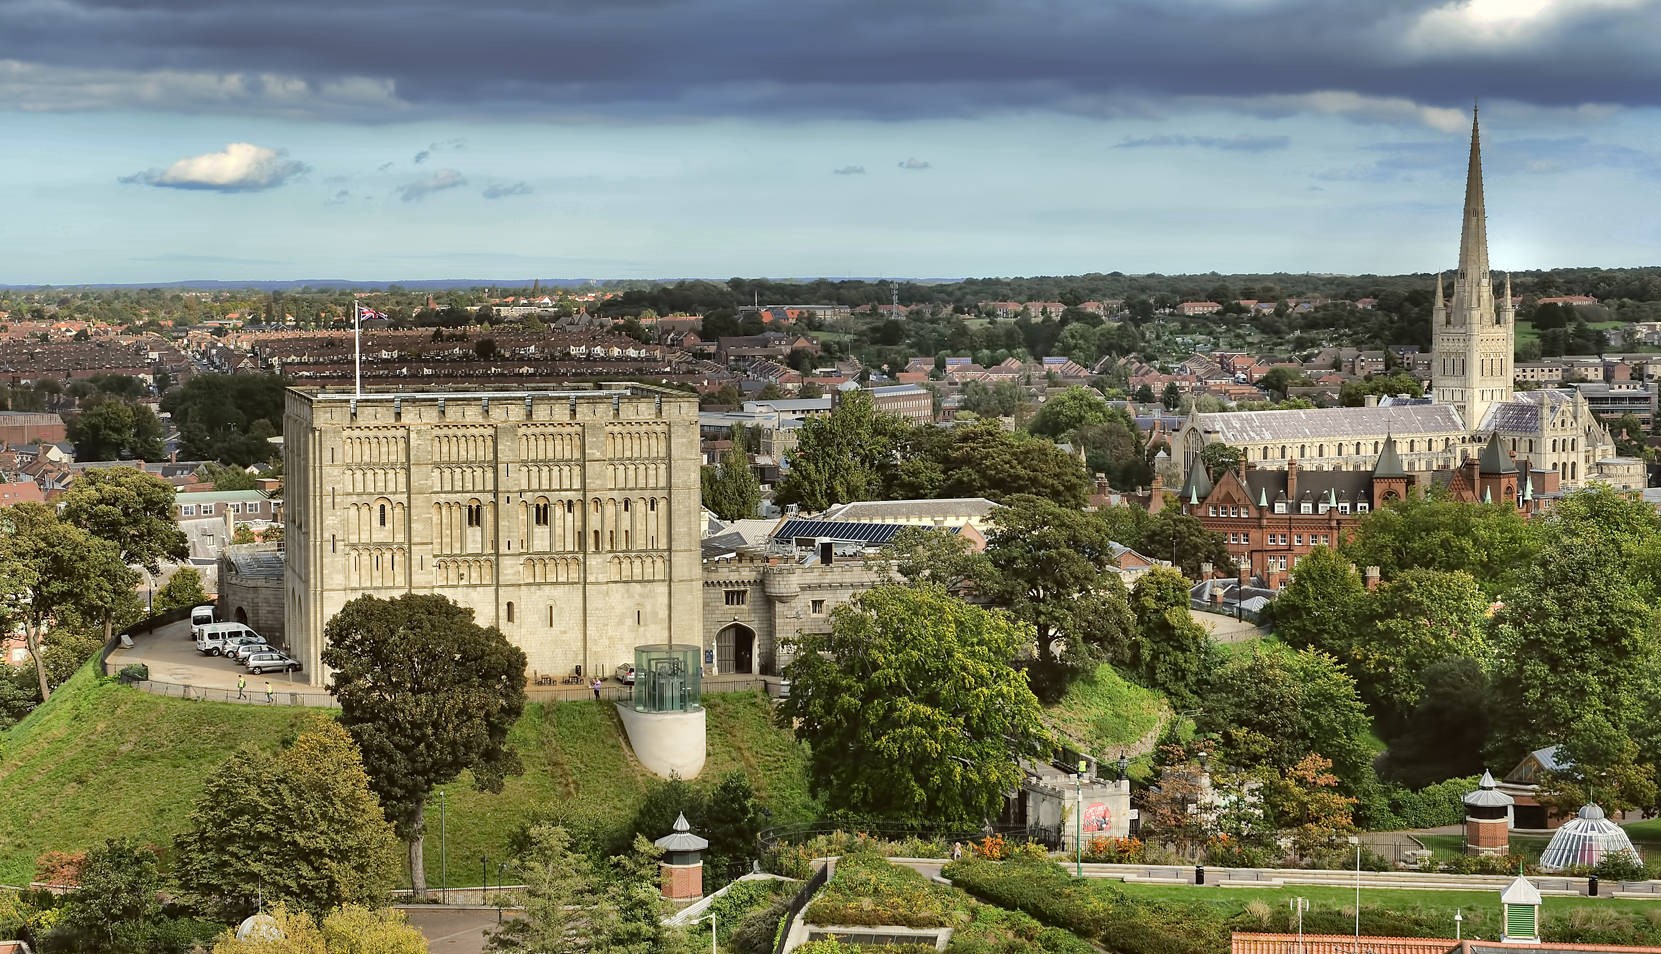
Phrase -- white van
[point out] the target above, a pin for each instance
(199, 616)
(213, 636)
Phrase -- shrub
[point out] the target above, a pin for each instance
(60, 869)
(992, 848)
(134, 672)
(1128, 851)
(866, 891)
(833, 946)
(1226, 852)
(1620, 866)
(757, 931)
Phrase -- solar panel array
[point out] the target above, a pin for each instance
(869, 534)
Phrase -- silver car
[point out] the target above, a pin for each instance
(232, 643)
(272, 661)
(242, 651)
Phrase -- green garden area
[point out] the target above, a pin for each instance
(101, 760)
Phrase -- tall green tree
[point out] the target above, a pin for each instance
(1171, 652)
(301, 825)
(927, 554)
(572, 905)
(730, 488)
(1491, 542)
(117, 895)
(911, 710)
(1048, 566)
(1319, 608)
(984, 460)
(1183, 539)
(51, 570)
(227, 417)
(426, 693)
(108, 428)
(183, 588)
(843, 456)
(1420, 618)
(1272, 706)
(131, 509)
(1068, 411)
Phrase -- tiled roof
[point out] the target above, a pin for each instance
(1247, 427)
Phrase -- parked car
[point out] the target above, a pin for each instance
(215, 638)
(625, 674)
(272, 661)
(242, 651)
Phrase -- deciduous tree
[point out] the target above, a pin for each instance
(50, 570)
(302, 825)
(427, 693)
(183, 588)
(1171, 652)
(1420, 618)
(1491, 542)
(131, 509)
(911, 710)
(730, 488)
(1319, 607)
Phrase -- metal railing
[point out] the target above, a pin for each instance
(798, 903)
(282, 694)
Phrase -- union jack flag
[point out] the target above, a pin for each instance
(369, 313)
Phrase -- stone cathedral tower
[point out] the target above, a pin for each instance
(1473, 337)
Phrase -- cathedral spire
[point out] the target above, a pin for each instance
(1473, 239)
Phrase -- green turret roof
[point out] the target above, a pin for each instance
(1389, 462)
(1494, 459)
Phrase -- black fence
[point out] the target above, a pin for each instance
(799, 902)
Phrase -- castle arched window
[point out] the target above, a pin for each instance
(382, 517)
(475, 514)
(510, 611)
(539, 513)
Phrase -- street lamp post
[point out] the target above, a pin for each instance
(1459, 924)
(1080, 835)
(1357, 843)
(443, 857)
(484, 876)
(1299, 905)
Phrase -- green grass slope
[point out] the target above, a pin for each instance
(101, 760)
(1107, 712)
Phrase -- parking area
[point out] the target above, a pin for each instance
(457, 929)
(171, 656)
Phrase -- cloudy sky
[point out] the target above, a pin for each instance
(151, 140)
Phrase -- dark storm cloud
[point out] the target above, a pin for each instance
(1225, 143)
(869, 58)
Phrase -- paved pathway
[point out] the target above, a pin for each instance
(1227, 629)
(454, 929)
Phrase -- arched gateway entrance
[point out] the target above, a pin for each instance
(735, 649)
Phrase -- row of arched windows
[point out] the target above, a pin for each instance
(463, 447)
(640, 476)
(637, 441)
(461, 478)
(453, 572)
(559, 443)
(639, 568)
(550, 570)
(377, 566)
(374, 480)
(551, 476)
(359, 448)
(464, 526)
(379, 521)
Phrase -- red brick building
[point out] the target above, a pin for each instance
(1270, 518)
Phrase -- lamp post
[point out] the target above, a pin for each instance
(484, 876)
(1459, 924)
(443, 858)
(1357, 843)
(1299, 905)
(1080, 836)
(711, 919)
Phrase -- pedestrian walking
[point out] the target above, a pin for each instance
(595, 685)
(957, 851)
(270, 696)
(242, 687)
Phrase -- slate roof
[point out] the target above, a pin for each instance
(1247, 427)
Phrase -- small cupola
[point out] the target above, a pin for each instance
(1521, 904)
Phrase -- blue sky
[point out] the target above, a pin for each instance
(177, 139)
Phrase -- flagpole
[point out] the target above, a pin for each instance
(357, 349)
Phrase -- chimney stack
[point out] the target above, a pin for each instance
(1292, 482)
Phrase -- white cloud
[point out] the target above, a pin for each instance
(915, 164)
(437, 182)
(239, 167)
(1497, 23)
(849, 171)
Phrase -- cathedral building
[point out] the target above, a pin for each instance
(1472, 401)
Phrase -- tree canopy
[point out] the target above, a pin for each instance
(227, 417)
(302, 825)
(911, 710)
(1491, 542)
(108, 428)
(730, 488)
(131, 509)
(426, 693)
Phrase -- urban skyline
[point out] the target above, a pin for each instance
(707, 138)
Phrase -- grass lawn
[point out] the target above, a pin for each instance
(1106, 711)
(102, 760)
(1526, 332)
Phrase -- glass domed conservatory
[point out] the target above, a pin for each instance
(1586, 839)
